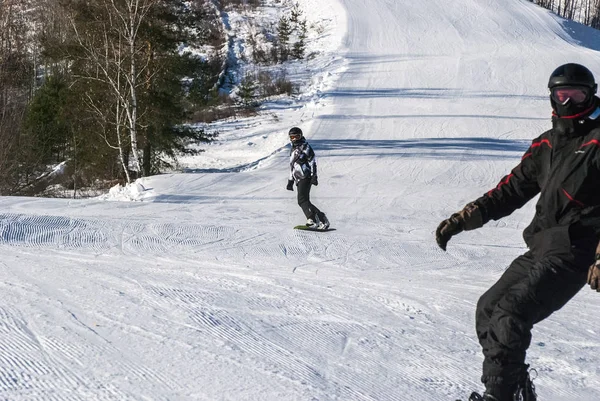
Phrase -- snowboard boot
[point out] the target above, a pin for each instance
(525, 390)
(323, 222)
(477, 397)
(313, 222)
(498, 392)
(522, 390)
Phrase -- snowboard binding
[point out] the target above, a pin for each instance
(525, 391)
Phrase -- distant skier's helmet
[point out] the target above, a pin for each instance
(295, 135)
(572, 89)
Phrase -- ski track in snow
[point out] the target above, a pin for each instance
(189, 241)
(34, 367)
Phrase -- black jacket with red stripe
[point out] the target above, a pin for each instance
(564, 168)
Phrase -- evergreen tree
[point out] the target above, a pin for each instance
(296, 13)
(284, 31)
(133, 81)
(300, 45)
(248, 88)
(46, 131)
(174, 82)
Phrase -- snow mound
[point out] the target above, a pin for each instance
(134, 191)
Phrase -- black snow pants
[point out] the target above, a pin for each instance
(304, 199)
(529, 291)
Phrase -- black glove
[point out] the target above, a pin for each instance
(447, 229)
(593, 278)
(314, 181)
(467, 219)
(290, 185)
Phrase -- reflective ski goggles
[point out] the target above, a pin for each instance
(295, 137)
(577, 94)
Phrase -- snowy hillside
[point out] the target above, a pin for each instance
(201, 290)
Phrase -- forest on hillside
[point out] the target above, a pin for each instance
(98, 92)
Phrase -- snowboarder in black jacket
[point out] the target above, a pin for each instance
(303, 171)
(563, 166)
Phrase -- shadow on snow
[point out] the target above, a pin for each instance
(584, 35)
(429, 93)
(433, 148)
(438, 148)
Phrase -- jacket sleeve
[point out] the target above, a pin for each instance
(312, 160)
(513, 191)
(291, 175)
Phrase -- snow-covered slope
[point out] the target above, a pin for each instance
(202, 291)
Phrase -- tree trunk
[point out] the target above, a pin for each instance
(133, 90)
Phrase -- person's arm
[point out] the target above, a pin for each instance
(290, 183)
(513, 191)
(311, 158)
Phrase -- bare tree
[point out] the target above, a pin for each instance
(118, 59)
(15, 89)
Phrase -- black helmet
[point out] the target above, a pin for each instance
(295, 135)
(570, 78)
(572, 75)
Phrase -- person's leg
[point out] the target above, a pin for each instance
(304, 199)
(516, 272)
(548, 285)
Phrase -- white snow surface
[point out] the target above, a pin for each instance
(194, 286)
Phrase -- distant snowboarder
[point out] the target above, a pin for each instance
(303, 172)
(563, 166)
